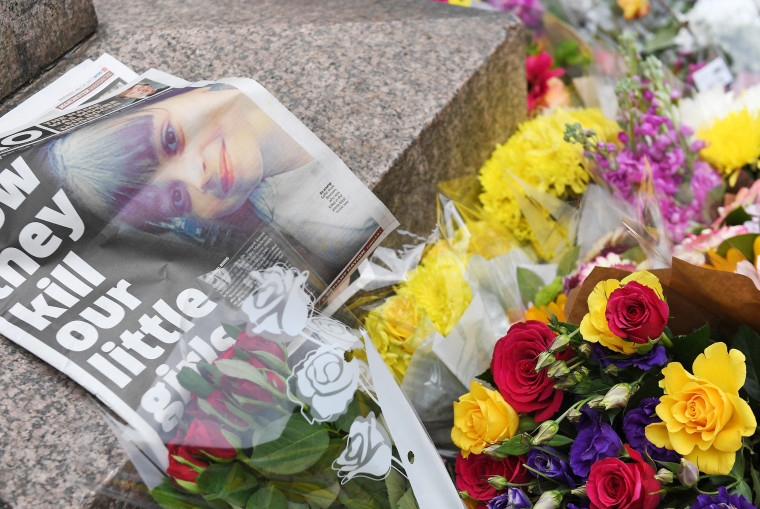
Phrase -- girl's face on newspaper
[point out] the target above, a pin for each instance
(208, 153)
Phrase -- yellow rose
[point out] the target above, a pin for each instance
(704, 419)
(393, 327)
(594, 326)
(481, 418)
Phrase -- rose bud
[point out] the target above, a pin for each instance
(618, 396)
(543, 360)
(560, 343)
(498, 482)
(596, 402)
(612, 370)
(557, 369)
(492, 452)
(549, 500)
(574, 415)
(571, 380)
(664, 476)
(580, 491)
(688, 473)
(584, 350)
(545, 432)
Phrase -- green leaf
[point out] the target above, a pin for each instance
(319, 492)
(210, 410)
(737, 217)
(529, 282)
(747, 342)
(515, 446)
(487, 376)
(549, 292)
(272, 362)
(233, 331)
(362, 493)
(241, 369)
(662, 39)
(352, 412)
(755, 484)
(194, 382)
(743, 243)
(742, 489)
(299, 446)
(232, 482)
(568, 262)
(267, 498)
(635, 254)
(167, 495)
(686, 348)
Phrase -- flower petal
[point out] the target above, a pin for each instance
(725, 369)
(712, 461)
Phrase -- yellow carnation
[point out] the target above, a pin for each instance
(395, 329)
(481, 418)
(732, 142)
(538, 155)
(704, 419)
(438, 287)
(594, 326)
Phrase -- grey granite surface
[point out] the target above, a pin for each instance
(406, 92)
(34, 33)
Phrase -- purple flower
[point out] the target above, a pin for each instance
(634, 423)
(596, 440)
(546, 461)
(530, 12)
(653, 358)
(722, 501)
(514, 498)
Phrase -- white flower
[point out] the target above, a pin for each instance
(368, 452)
(333, 332)
(326, 383)
(280, 303)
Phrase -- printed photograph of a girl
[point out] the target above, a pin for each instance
(206, 165)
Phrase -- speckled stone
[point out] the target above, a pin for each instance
(34, 33)
(406, 92)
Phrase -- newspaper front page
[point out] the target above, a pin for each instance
(136, 220)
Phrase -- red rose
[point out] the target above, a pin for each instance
(613, 482)
(473, 473)
(635, 312)
(218, 402)
(513, 367)
(205, 437)
(181, 472)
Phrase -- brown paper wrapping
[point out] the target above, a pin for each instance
(695, 296)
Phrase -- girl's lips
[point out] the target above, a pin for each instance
(226, 170)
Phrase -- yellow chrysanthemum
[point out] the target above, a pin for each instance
(732, 142)
(538, 155)
(557, 308)
(438, 287)
(397, 327)
(732, 258)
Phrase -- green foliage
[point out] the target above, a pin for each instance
(299, 446)
(267, 498)
(743, 243)
(232, 482)
(529, 283)
(687, 347)
(569, 261)
(549, 292)
(747, 341)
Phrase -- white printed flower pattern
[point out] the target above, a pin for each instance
(280, 304)
(368, 452)
(326, 383)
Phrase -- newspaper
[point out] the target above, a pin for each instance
(85, 83)
(134, 225)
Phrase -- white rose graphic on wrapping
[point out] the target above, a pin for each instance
(368, 452)
(326, 383)
(333, 332)
(280, 303)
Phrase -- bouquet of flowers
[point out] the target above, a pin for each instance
(645, 397)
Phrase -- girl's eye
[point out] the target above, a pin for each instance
(169, 139)
(179, 201)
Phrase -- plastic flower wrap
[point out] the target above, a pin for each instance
(609, 416)
(278, 410)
